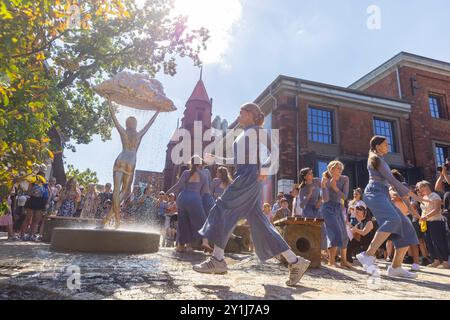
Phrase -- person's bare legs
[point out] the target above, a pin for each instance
(332, 256)
(423, 248)
(344, 262)
(399, 255)
(37, 217)
(389, 249)
(206, 246)
(377, 241)
(415, 253)
(26, 221)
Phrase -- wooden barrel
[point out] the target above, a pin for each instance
(304, 236)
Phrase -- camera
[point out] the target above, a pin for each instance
(447, 167)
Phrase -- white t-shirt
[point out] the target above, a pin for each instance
(426, 207)
(298, 211)
(21, 200)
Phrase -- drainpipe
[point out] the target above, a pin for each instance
(399, 88)
(273, 109)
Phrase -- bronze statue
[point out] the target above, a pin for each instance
(125, 163)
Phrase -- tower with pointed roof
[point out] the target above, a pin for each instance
(198, 108)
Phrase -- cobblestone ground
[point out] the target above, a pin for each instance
(30, 271)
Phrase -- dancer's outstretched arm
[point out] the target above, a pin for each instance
(148, 125)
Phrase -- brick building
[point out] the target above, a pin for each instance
(406, 99)
(198, 109)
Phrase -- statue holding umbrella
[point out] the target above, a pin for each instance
(136, 91)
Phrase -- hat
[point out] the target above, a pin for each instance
(161, 193)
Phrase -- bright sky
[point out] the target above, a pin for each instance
(253, 41)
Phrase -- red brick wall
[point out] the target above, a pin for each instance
(423, 128)
(355, 130)
(284, 119)
(386, 87)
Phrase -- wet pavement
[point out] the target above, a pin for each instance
(28, 270)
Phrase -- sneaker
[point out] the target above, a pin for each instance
(34, 238)
(365, 260)
(415, 267)
(373, 270)
(388, 259)
(297, 270)
(400, 272)
(212, 265)
(14, 238)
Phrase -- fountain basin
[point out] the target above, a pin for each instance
(103, 241)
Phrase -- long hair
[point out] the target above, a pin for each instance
(331, 166)
(255, 110)
(196, 162)
(224, 175)
(71, 183)
(303, 174)
(374, 159)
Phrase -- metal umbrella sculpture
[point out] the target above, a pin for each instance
(137, 91)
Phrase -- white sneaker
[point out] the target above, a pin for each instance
(365, 260)
(373, 270)
(415, 267)
(400, 272)
(212, 265)
(297, 270)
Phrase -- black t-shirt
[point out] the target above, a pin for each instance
(367, 239)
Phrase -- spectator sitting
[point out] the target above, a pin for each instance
(277, 204)
(283, 212)
(363, 232)
(268, 212)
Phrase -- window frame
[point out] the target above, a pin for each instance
(317, 133)
(395, 143)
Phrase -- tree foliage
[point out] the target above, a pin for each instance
(84, 178)
(53, 52)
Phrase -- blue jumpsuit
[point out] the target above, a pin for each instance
(207, 198)
(332, 213)
(389, 217)
(216, 189)
(242, 199)
(191, 214)
(309, 206)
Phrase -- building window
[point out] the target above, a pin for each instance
(199, 116)
(321, 167)
(320, 125)
(435, 103)
(441, 154)
(385, 128)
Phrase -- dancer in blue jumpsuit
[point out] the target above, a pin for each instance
(392, 223)
(310, 199)
(242, 199)
(191, 214)
(335, 188)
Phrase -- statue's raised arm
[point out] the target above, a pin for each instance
(148, 125)
(114, 118)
